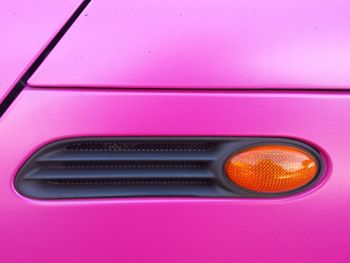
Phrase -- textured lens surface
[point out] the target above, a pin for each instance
(272, 168)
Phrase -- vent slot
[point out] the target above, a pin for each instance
(133, 181)
(123, 164)
(134, 167)
(141, 146)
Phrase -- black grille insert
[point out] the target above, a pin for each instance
(123, 164)
(127, 181)
(142, 146)
(131, 167)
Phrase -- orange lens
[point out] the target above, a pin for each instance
(272, 168)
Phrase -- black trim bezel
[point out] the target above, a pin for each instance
(228, 147)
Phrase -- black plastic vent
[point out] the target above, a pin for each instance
(120, 167)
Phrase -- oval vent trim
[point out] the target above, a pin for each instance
(139, 167)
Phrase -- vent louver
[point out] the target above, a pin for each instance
(131, 167)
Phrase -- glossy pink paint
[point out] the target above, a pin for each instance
(311, 227)
(26, 27)
(216, 44)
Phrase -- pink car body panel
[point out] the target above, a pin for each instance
(204, 44)
(26, 28)
(290, 45)
(310, 227)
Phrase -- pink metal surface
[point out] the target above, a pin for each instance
(311, 227)
(25, 29)
(204, 44)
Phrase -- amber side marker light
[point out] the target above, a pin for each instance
(272, 168)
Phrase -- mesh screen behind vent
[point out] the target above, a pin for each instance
(123, 164)
(134, 167)
(142, 146)
(126, 181)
